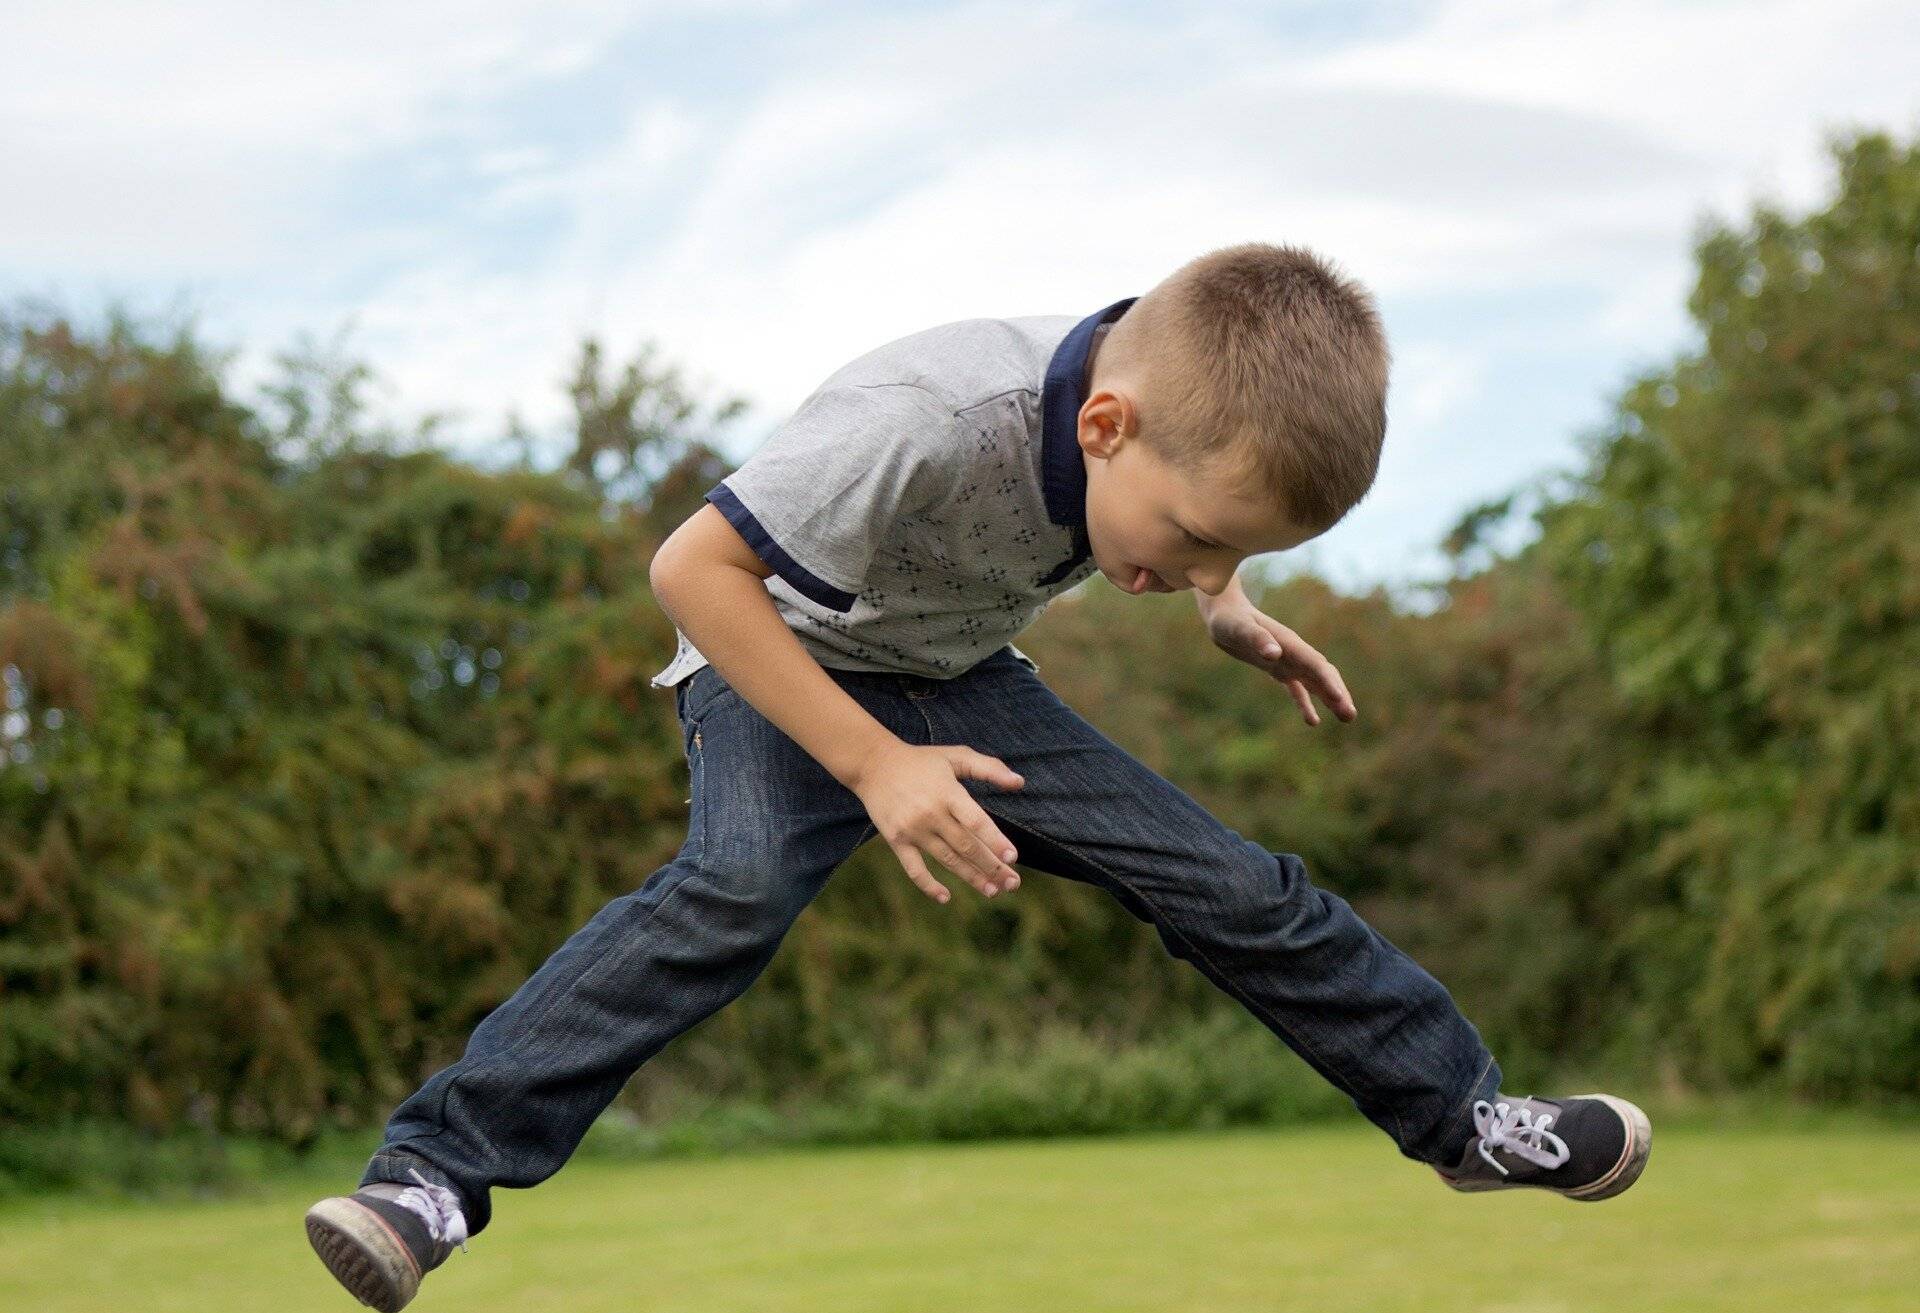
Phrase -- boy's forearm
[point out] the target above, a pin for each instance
(727, 613)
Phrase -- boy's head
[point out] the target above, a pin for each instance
(1242, 400)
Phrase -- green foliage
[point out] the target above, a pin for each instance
(1226, 1071)
(111, 1158)
(316, 741)
(1745, 552)
(314, 746)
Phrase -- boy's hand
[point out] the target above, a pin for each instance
(916, 800)
(1240, 629)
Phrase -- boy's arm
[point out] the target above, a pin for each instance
(1242, 630)
(712, 585)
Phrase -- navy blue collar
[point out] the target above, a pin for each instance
(1064, 469)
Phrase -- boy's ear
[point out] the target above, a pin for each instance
(1105, 415)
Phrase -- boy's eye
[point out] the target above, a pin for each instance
(1195, 539)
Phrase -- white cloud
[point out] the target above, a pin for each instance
(511, 161)
(1744, 86)
(1432, 382)
(997, 218)
(1713, 74)
(893, 170)
(184, 138)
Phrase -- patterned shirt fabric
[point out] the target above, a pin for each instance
(928, 500)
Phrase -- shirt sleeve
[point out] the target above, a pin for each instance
(820, 495)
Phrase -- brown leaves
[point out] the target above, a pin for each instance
(45, 649)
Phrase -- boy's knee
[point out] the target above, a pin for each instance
(1269, 891)
(755, 887)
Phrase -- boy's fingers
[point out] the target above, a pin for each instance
(1338, 697)
(1331, 681)
(1327, 682)
(979, 766)
(994, 850)
(917, 872)
(987, 872)
(966, 857)
(1304, 700)
(1006, 776)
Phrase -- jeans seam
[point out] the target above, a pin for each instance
(531, 1024)
(1466, 1100)
(694, 715)
(387, 1160)
(698, 787)
(1247, 1000)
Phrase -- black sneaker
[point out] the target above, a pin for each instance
(1596, 1148)
(380, 1240)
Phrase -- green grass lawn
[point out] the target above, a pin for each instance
(1317, 1218)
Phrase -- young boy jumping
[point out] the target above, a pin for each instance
(845, 606)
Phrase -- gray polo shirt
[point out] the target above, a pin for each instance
(927, 501)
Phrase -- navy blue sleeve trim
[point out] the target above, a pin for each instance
(804, 581)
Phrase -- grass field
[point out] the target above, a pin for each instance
(1321, 1218)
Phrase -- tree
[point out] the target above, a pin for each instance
(1745, 552)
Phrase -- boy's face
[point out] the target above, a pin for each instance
(1154, 530)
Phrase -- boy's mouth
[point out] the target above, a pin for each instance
(1146, 581)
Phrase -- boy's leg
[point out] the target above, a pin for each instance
(1355, 1008)
(767, 826)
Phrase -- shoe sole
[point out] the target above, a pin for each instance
(363, 1253)
(1633, 1160)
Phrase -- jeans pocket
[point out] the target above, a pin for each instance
(703, 688)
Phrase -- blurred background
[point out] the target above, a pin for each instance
(355, 358)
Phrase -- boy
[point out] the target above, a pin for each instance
(852, 591)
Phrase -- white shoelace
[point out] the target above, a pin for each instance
(438, 1207)
(1511, 1127)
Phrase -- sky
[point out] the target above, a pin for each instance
(458, 193)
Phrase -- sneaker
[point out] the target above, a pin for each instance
(1596, 1147)
(379, 1241)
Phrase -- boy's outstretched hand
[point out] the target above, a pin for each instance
(917, 802)
(1240, 629)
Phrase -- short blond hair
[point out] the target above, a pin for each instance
(1264, 366)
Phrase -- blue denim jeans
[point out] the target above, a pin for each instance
(768, 825)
